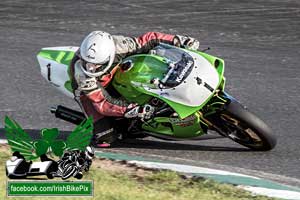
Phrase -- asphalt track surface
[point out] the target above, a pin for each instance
(259, 41)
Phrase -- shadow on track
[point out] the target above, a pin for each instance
(35, 134)
(165, 145)
(146, 143)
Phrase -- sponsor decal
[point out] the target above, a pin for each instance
(208, 87)
(164, 94)
(183, 72)
(188, 121)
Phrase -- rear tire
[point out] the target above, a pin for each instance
(79, 175)
(49, 176)
(246, 128)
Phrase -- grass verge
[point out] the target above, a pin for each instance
(118, 181)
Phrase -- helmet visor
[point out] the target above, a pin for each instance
(93, 67)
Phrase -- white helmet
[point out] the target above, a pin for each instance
(97, 52)
(89, 152)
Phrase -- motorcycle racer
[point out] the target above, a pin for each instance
(93, 68)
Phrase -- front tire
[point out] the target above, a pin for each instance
(68, 171)
(245, 128)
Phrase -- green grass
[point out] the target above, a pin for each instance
(130, 185)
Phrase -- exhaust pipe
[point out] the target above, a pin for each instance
(68, 114)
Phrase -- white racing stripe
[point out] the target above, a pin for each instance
(284, 194)
(187, 168)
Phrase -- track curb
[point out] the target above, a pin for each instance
(253, 184)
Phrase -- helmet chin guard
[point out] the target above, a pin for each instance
(97, 48)
(85, 83)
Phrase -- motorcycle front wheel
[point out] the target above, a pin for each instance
(68, 171)
(245, 128)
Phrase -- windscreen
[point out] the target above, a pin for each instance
(180, 64)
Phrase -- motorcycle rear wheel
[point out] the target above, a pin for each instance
(245, 128)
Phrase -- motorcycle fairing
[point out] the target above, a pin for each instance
(186, 98)
(173, 128)
(200, 84)
(54, 64)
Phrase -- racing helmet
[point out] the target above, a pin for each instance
(97, 53)
(89, 152)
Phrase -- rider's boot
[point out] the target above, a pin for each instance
(105, 134)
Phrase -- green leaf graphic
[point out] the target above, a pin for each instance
(58, 147)
(49, 134)
(81, 136)
(21, 141)
(41, 147)
(18, 139)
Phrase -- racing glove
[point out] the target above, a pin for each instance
(186, 42)
(143, 112)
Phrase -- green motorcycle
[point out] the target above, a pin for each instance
(185, 87)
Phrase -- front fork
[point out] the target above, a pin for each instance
(210, 114)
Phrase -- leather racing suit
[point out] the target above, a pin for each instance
(98, 103)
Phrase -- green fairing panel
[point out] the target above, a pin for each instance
(68, 86)
(145, 68)
(63, 57)
(175, 127)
